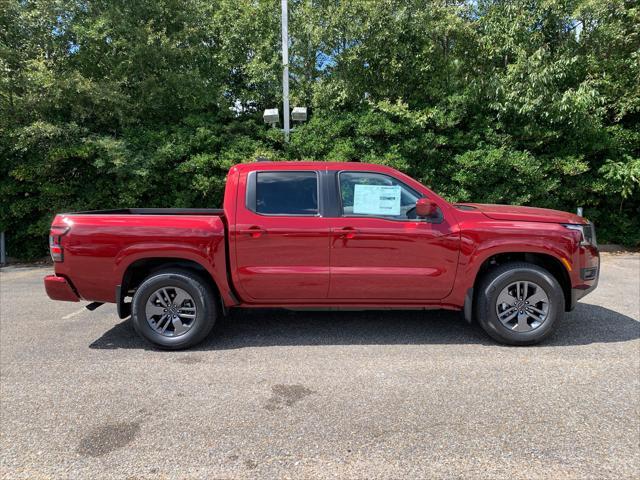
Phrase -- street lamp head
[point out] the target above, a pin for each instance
(271, 116)
(299, 114)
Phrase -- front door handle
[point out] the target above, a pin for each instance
(348, 232)
(254, 231)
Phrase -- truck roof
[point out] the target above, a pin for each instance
(320, 165)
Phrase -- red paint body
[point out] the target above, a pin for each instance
(313, 261)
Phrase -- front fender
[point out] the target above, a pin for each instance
(479, 244)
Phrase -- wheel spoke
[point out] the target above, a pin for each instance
(506, 297)
(166, 324)
(537, 310)
(510, 317)
(160, 298)
(507, 313)
(167, 297)
(180, 297)
(523, 324)
(161, 321)
(152, 310)
(187, 315)
(537, 297)
(178, 326)
(535, 317)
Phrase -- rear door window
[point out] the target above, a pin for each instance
(287, 193)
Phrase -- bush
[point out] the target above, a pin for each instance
(148, 103)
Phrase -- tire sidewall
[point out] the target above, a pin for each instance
(489, 295)
(202, 297)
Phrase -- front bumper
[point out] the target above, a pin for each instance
(578, 293)
(588, 275)
(59, 288)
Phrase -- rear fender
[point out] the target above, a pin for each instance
(214, 263)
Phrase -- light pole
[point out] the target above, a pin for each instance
(285, 67)
(299, 114)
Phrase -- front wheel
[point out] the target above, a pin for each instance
(519, 303)
(174, 309)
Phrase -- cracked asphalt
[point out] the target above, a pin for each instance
(275, 394)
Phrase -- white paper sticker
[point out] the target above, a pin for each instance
(376, 200)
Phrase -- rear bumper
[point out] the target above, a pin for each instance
(58, 288)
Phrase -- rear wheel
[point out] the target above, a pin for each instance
(174, 309)
(519, 303)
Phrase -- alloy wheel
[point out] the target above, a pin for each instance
(170, 311)
(522, 306)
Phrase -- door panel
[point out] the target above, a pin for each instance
(380, 250)
(385, 259)
(282, 254)
(283, 263)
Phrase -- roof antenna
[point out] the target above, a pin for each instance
(262, 159)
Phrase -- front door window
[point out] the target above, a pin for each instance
(365, 194)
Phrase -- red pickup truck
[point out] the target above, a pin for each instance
(325, 235)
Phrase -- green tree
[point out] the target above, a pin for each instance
(147, 103)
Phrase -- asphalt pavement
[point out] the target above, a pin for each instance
(276, 394)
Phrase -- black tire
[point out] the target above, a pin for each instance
(493, 283)
(204, 300)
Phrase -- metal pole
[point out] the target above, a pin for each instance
(3, 252)
(285, 69)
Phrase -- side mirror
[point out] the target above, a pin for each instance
(426, 208)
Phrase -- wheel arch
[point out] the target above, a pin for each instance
(135, 273)
(554, 265)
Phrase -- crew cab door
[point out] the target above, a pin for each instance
(380, 251)
(281, 240)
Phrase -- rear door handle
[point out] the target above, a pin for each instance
(347, 232)
(254, 231)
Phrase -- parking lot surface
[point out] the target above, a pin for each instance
(276, 394)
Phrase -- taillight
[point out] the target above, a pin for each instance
(55, 246)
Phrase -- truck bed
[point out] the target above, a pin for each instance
(152, 211)
(100, 245)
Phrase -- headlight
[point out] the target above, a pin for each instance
(587, 231)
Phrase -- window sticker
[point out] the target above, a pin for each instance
(376, 199)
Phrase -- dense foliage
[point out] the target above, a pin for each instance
(111, 103)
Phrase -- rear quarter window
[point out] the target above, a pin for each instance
(287, 193)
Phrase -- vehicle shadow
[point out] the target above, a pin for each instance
(587, 324)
